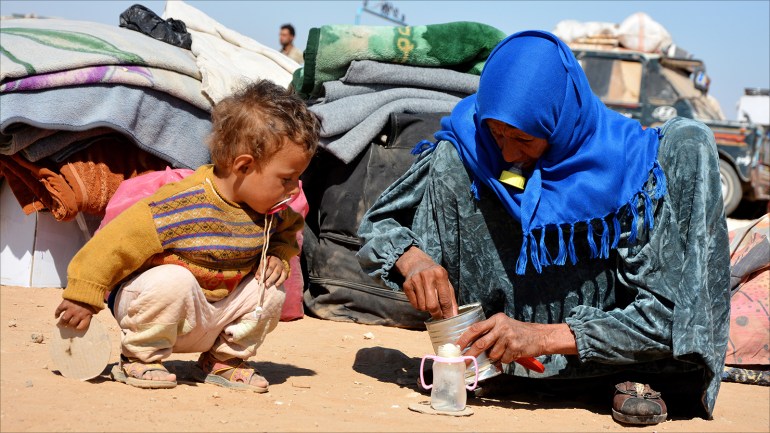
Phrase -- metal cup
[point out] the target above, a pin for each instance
(449, 330)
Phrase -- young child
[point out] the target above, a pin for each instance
(198, 266)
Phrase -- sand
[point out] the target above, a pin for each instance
(325, 376)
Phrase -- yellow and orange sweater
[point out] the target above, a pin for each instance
(186, 223)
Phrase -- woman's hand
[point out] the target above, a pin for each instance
(426, 284)
(506, 340)
(275, 272)
(73, 314)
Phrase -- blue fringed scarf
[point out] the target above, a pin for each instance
(596, 166)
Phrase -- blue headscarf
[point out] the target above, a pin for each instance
(598, 161)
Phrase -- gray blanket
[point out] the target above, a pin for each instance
(349, 124)
(349, 145)
(158, 123)
(371, 72)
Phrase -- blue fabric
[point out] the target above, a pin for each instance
(597, 162)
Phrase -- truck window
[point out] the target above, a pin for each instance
(704, 107)
(614, 81)
(659, 90)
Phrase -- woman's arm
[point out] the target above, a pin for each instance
(390, 243)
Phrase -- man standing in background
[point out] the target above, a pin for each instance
(286, 38)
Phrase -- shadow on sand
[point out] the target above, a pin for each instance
(186, 372)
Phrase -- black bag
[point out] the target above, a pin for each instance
(143, 20)
(339, 194)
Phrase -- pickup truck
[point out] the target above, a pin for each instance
(653, 88)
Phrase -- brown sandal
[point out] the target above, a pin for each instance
(636, 403)
(239, 378)
(132, 372)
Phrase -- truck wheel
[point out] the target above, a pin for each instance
(731, 187)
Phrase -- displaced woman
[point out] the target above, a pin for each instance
(612, 260)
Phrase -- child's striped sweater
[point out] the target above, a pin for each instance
(186, 223)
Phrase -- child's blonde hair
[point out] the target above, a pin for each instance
(258, 120)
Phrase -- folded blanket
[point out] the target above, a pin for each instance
(158, 123)
(342, 115)
(19, 136)
(62, 143)
(175, 84)
(369, 72)
(83, 183)
(348, 146)
(368, 76)
(226, 58)
(461, 46)
(35, 46)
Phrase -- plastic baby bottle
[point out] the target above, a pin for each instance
(448, 388)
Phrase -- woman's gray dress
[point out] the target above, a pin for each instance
(659, 306)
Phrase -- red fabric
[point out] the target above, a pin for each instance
(749, 342)
(750, 323)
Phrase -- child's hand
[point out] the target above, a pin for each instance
(74, 314)
(275, 271)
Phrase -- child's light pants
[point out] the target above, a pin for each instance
(163, 310)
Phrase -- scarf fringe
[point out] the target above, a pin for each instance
(545, 256)
(541, 257)
(424, 146)
(475, 189)
(561, 258)
(634, 220)
(616, 229)
(572, 253)
(533, 253)
(591, 242)
(521, 264)
(605, 251)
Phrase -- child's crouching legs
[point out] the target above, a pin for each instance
(154, 309)
(241, 338)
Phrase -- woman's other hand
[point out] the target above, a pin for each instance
(426, 284)
(506, 340)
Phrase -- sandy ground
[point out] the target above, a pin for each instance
(325, 377)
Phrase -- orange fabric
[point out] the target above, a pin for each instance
(85, 182)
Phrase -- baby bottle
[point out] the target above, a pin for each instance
(448, 388)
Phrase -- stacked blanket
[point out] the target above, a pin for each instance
(355, 108)
(460, 46)
(86, 105)
(355, 77)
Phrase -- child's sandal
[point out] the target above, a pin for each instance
(239, 378)
(132, 373)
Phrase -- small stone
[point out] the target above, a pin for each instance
(224, 421)
(279, 403)
(29, 384)
(368, 336)
(395, 406)
(413, 395)
(36, 338)
(173, 397)
(358, 383)
(215, 395)
(347, 337)
(45, 366)
(299, 384)
(11, 323)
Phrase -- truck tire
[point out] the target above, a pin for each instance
(731, 187)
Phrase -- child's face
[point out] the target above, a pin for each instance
(277, 180)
